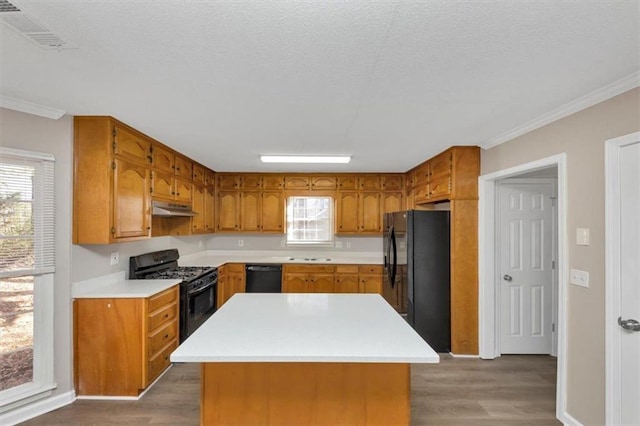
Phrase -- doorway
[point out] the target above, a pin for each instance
(489, 337)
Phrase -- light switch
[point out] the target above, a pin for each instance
(579, 277)
(582, 236)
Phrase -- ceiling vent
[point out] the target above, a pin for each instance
(28, 26)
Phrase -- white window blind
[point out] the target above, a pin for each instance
(310, 220)
(27, 213)
(27, 260)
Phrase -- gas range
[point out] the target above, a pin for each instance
(164, 265)
(198, 289)
(185, 273)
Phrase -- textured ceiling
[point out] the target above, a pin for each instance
(389, 82)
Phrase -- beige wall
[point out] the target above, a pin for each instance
(581, 136)
(24, 131)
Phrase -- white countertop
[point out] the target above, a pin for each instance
(305, 328)
(215, 258)
(115, 286)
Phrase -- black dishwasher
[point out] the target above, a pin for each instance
(264, 278)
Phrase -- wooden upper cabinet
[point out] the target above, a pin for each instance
(227, 182)
(392, 183)
(347, 213)
(198, 174)
(421, 175)
(131, 184)
(323, 182)
(184, 167)
(197, 204)
(163, 159)
(183, 190)
(441, 164)
(272, 212)
(392, 202)
(111, 182)
(272, 182)
(209, 178)
(209, 210)
(370, 216)
(296, 182)
(131, 145)
(228, 211)
(251, 182)
(162, 185)
(348, 183)
(250, 211)
(369, 183)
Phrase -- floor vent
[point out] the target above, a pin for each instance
(28, 26)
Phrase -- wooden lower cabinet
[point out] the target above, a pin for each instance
(121, 345)
(231, 280)
(370, 279)
(332, 279)
(308, 279)
(346, 279)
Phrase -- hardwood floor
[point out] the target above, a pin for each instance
(512, 390)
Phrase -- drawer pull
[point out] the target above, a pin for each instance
(166, 316)
(166, 336)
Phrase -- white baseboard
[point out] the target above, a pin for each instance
(568, 420)
(37, 408)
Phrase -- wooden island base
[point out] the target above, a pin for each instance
(281, 393)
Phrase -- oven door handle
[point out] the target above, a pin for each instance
(202, 289)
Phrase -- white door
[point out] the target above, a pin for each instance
(630, 284)
(525, 255)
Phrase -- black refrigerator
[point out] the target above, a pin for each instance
(417, 272)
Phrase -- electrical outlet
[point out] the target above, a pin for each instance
(348, 244)
(240, 243)
(282, 242)
(115, 258)
(199, 244)
(579, 277)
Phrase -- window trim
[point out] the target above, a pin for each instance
(332, 224)
(43, 381)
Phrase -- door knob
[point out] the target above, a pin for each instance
(507, 277)
(630, 324)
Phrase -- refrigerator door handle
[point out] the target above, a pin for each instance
(394, 263)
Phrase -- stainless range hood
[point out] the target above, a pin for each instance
(161, 208)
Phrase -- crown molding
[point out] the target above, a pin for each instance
(600, 95)
(30, 108)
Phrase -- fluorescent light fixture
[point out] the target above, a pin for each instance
(333, 159)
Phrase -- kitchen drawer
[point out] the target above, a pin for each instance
(308, 269)
(160, 317)
(159, 300)
(234, 267)
(440, 187)
(161, 337)
(158, 363)
(370, 269)
(346, 269)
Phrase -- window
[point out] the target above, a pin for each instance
(27, 230)
(310, 220)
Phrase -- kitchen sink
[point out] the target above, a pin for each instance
(310, 259)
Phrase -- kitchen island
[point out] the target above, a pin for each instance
(314, 359)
